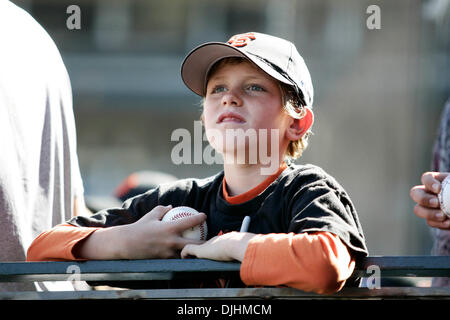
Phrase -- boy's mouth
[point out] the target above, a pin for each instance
(230, 117)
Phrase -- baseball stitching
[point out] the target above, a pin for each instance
(185, 214)
(441, 196)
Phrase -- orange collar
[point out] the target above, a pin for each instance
(250, 194)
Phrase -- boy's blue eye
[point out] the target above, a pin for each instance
(218, 89)
(255, 87)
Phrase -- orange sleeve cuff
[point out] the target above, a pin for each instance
(317, 262)
(57, 244)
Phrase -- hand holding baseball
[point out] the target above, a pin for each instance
(427, 198)
(147, 238)
(152, 237)
(197, 232)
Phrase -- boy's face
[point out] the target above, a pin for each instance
(242, 98)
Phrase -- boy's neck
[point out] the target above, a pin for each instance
(242, 178)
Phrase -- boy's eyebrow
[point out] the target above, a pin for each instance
(250, 77)
(256, 78)
(215, 78)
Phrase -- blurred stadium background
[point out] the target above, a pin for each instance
(378, 93)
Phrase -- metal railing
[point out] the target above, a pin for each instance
(142, 271)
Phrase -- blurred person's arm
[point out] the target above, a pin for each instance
(79, 207)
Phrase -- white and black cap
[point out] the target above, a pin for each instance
(277, 57)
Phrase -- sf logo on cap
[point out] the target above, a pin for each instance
(241, 40)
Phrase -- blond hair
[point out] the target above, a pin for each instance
(292, 105)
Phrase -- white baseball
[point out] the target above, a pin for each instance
(444, 196)
(199, 232)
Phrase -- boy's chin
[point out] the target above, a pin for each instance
(239, 156)
(231, 151)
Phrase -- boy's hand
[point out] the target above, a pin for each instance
(425, 196)
(149, 237)
(226, 247)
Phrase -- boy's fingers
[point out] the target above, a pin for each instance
(188, 222)
(181, 243)
(158, 212)
(187, 251)
(422, 197)
(432, 180)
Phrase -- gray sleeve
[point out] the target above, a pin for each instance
(71, 150)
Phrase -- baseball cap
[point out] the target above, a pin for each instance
(277, 57)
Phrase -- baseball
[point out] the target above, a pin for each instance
(198, 232)
(444, 196)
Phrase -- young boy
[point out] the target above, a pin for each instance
(304, 230)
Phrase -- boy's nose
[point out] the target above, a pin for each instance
(231, 99)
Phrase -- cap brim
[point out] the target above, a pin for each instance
(198, 62)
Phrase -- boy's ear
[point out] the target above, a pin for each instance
(299, 127)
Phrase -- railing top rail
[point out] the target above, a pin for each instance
(162, 269)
